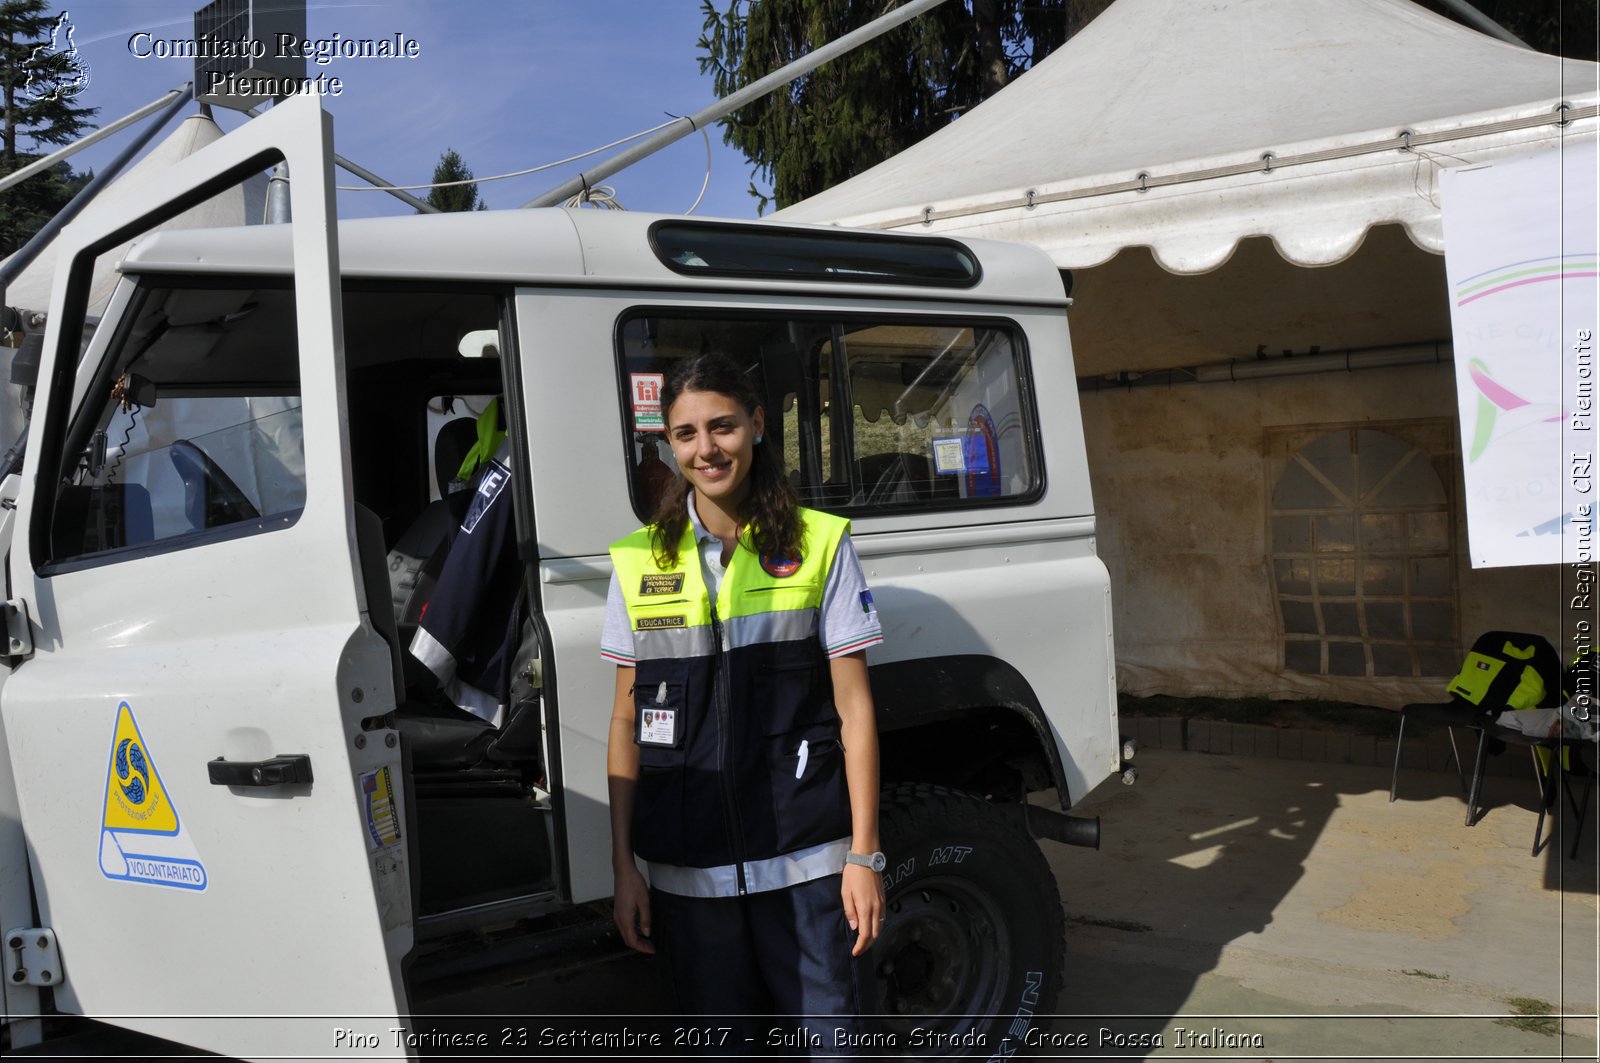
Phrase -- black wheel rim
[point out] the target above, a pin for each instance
(943, 954)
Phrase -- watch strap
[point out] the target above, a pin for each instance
(876, 861)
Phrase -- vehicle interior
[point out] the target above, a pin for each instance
(195, 436)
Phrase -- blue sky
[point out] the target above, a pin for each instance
(508, 85)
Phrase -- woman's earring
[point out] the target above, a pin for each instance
(759, 438)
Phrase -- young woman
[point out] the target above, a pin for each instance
(743, 756)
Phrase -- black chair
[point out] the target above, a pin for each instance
(1497, 653)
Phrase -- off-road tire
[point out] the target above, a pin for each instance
(973, 949)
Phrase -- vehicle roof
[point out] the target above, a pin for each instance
(554, 246)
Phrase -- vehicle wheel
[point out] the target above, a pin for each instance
(973, 949)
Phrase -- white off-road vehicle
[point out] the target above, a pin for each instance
(231, 798)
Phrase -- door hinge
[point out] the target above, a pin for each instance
(32, 957)
(19, 632)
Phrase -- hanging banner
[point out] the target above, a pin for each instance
(1520, 257)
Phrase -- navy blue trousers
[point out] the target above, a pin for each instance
(775, 965)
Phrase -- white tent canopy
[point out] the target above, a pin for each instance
(244, 204)
(1358, 103)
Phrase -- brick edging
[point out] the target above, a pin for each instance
(1423, 752)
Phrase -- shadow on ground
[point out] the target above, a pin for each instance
(1254, 908)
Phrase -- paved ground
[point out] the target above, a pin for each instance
(1288, 904)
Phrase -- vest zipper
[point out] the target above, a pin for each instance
(730, 804)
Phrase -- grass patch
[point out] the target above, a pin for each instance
(1313, 715)
(1417, 972)
(1533, 1015)
(1110, 924)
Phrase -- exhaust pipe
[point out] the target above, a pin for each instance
(1060, 827)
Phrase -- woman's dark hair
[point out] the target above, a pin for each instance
(768, 512)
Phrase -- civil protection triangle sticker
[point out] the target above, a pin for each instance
(142, 837)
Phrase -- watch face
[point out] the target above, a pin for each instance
(879, 861)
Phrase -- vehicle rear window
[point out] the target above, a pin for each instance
(768, 252)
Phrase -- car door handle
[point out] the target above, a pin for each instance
(279, 771)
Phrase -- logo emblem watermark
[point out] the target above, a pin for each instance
(56, 71)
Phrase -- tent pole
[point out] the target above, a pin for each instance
(78, 145)
(423, 206)
(1479, 21)
(1432, 352)
(732, 102)
(13, 266)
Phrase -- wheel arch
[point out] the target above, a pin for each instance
(933, 712)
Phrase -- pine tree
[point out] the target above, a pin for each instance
(40, 78)
(852, 113)
(455, 197)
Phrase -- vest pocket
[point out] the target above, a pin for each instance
(658, 810)
(660, 712)
(660, 729)
(794, 692)
(810, 794)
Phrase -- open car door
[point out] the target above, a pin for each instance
(212, 805)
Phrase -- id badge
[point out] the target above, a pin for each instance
(658, 723)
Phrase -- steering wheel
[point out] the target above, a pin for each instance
(210, 497)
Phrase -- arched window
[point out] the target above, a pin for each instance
(1363, 558)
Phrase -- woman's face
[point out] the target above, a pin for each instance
(713, 438)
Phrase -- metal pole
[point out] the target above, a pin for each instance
(14, 265)
(371, 178)
(728, 104)
(1479, 21)
(78, 145)
(277, 211)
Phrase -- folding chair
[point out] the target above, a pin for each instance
(1503, 670)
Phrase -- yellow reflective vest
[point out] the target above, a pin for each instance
(739, 754)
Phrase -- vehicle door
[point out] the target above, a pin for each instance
(212, 806)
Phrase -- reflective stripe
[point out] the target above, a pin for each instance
(760, 876)
(439, 660)
(478, 702)
(432, 653)
(759, 628)
(682, 642)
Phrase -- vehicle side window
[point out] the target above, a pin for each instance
(192, 429)
(872, 415)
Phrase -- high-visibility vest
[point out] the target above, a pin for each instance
(739, 754)
(491, 436)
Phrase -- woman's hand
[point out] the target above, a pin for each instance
(858, 733)
(863, 905)
(631, 908)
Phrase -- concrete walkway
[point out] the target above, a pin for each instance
(1282, 908)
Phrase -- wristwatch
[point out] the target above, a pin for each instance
(876, 861)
